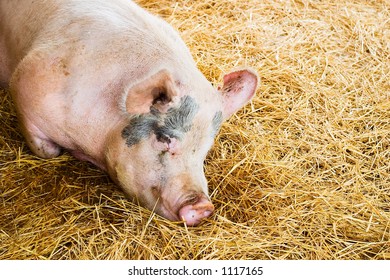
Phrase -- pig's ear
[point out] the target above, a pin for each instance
(238, 88)
(156, 91)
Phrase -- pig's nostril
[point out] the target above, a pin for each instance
(193, 214)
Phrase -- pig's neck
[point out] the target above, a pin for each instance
(86, 131)
(92, 150)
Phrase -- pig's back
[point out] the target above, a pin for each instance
(118, 29)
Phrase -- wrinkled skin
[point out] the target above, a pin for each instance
(117, 86)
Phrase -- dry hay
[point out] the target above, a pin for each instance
(300, 173)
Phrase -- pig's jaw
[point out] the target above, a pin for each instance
(190, 208)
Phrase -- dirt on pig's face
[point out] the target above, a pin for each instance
(158, 158)
(157, 153)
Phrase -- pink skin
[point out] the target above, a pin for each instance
(193, 214)
(173, 147)
(79, 75)
(194, 211)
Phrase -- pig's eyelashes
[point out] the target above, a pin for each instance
(163, 138)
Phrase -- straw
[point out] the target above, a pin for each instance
(302, 172)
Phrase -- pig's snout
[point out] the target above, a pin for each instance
(195, 212)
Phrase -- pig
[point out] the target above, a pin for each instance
(116, 86)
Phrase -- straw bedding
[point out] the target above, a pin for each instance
(302, 172)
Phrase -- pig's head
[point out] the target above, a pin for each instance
(157, 155)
